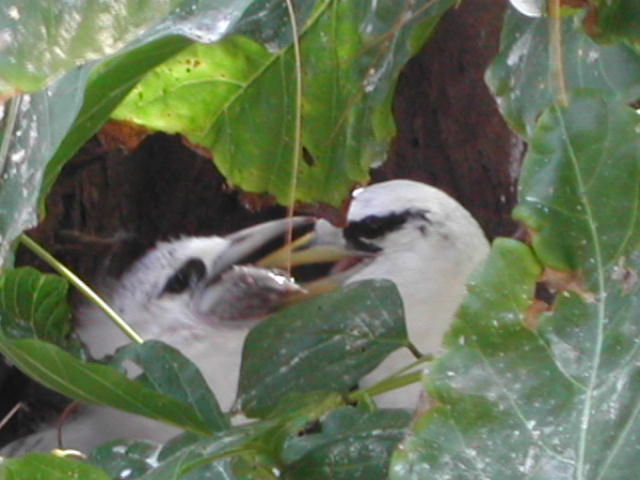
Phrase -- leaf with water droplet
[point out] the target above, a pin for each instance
(327, 343)
(558, 399)
(521, 78)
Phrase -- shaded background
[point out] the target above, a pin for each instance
(111, 204)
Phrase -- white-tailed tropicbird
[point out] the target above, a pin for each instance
(428, 245)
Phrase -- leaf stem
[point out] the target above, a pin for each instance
(297, 143)
(555, 40)
(80, 285)
(392, 383)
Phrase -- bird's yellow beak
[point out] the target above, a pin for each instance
(258, 273)
(312, 248)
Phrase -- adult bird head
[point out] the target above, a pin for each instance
(428, 245)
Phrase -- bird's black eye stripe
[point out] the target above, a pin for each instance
(374, 226)
(189, 273)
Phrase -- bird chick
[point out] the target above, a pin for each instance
(194, 293)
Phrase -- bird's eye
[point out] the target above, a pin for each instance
(188, 274)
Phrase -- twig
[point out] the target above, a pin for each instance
(555, 43)
(11, 413)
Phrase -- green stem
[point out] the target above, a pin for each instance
(80, 285)
(386, 385)
(297, 134)
(412, 365)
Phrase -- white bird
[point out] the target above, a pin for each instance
(191, 294)
(421, 238)
(428, 245)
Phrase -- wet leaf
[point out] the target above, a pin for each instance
(324, 344)
(40, 466)
(560, 401)
(66, 35)
(28, 139)
(521, 74)
(237, 99)
(125, 459)
(217, 457)
(81, 101)
(352, 445)
(579, 191)
(166, 370)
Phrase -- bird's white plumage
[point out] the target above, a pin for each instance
(136, 296)
(429, 259)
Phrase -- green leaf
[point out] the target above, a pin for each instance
(67, 35)
(327, 343)
(353, 445)
(216, 457)
(579, 191)
(40, 466)
(30, 141)
(619, 20)
(521, 74)
(166, 370)
(98, 384)
(34, 305)
(237, 99)
(127, 459)
(561, 400)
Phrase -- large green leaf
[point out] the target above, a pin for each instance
(98, 384)
(521, 75)
(561, 399)
(352, 445)
(71, 34)
(44, 129)
(66, 35)
(166, 370)
(237, 98)
(40, 466)
(579, 191)
(326, 344)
